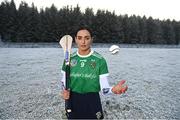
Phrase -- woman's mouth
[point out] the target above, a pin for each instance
(83, 46)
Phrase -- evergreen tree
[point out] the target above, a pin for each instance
(152, 31)
(88, 18)
(99, 27)
(176, 27)
(158, 34)
(168, 32)
(32, 27)
(126, 29)
(64, 19)
(134, 29)
(142, 30)
(2, 20)
(75, 20)
(8, 20)
(119, 30)
(26, 24)
(50, 21)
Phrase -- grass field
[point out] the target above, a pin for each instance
(30, 83)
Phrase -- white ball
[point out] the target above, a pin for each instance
(114, 49)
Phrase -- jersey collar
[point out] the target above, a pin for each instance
(84, 56)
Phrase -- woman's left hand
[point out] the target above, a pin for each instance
(119, 88)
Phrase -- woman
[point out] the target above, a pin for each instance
(88, 77)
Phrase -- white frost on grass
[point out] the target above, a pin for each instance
(30, 83)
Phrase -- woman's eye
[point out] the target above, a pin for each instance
(87, 38)
(79, 38)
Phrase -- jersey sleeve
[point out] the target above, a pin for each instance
(103, 67)
(104, 84)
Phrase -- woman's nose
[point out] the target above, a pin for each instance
(83, 41)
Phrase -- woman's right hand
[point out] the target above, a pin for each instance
(65, 94)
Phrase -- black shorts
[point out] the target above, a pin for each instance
(85, 106)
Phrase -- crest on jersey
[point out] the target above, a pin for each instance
(93, 64)
(73, 62)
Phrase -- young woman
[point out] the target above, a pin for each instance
(88, 76)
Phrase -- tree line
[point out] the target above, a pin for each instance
(27, 24)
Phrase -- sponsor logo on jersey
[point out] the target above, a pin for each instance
(87, 76)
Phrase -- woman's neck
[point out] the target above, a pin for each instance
(84, 52)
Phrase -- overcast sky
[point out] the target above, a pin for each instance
(162, 9)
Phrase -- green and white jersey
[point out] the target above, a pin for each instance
(85, 72)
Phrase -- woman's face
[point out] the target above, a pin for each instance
(83, 40)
